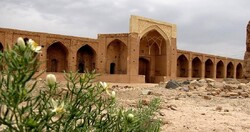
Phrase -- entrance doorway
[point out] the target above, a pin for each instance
(144, 69)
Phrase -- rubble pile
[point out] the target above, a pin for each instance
(230, 88)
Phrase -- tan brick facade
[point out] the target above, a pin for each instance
(147, 53)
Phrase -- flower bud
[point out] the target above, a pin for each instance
(130, 117)
(113, 94)
(21, 42)
(51, 79)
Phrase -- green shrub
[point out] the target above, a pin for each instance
(83, 105)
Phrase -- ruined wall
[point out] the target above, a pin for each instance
(247, 54)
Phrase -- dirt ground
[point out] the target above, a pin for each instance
(190, 111)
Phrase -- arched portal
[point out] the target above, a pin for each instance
(86, 58)
(153, 47)
(1, 47)
(117, 56)
(209, 68)
(220, 69)
(239, 71)
(182, 66)
(196, 67)
(57, 55)
(144, 68)
(230, 70)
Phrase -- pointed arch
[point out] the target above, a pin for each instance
(86, 58)
(220, 69)
(239, 71)
(117, 53)
(230, 70)
(209, 69)
(196, 67)
(153, 46)
(153, 43)
(57, 55)
(158, 29)
(182, 66)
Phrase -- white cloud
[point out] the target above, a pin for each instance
(202, 25)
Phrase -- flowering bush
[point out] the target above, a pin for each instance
(82, 106)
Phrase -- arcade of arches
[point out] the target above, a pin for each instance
(148, 53)
(221, 69)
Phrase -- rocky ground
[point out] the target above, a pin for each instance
(197, 105)
(201, 105)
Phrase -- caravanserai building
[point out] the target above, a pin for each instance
(148, 53)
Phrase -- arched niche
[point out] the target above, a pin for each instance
(239, 71)
(196, 68)
(209, 68)
(182, 66)
(117, 53)
(153, 47)
(86, 59)
(220, 69)
(57, 55)
(230, 70)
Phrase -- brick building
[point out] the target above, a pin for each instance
(148, 53)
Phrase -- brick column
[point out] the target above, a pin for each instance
(215, 70)
(43, 55)
(133, 56)
(172, 59)
(190, 67)
(203, 67)
(225, 69)
(235, 70)
(72, 56)
(101, 61)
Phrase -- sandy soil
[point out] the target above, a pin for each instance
(191, 111)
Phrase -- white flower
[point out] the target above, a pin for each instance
(21, 42)
(104, 85)
(113, 94)
(51, 79)
(34, 46)
(58, 109)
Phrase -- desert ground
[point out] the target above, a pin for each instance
(195, 106)
(201, 105)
